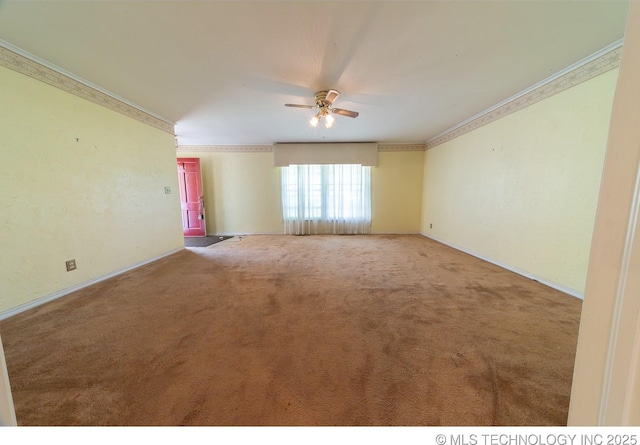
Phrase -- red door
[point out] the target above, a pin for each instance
(191, 198)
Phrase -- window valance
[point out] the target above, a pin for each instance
(325, 153)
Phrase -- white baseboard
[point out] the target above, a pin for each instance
(282, 233)
(47, 298)
(395, 233)
(541, 280)
(244, 233)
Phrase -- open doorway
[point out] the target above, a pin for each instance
(191, 197)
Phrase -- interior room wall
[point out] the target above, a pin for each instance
(396, 192)
(606, 380)
(82, 182)
(7, 411)
(522, 191)
(242, 192)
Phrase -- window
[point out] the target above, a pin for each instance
(326, 199)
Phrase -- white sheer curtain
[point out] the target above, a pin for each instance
(326, 199)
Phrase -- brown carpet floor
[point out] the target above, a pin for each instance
(284, 330)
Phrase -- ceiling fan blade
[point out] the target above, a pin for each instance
(342, 112)
(299, 106)
(331, 96)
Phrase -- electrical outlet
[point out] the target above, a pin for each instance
(167, 190)
(71, 265)
(431, 226)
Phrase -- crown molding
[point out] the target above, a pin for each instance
(598, 63)
(269, 148)
(401, 147)
(20, 61)
(227, 148)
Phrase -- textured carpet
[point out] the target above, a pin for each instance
(284, 330)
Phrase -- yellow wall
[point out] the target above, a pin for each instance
(242, 192)
(81, 182)
(396, 192)
(522, 191)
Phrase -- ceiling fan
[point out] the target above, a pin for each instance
(324, 105)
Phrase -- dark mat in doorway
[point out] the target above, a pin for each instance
(204, 241)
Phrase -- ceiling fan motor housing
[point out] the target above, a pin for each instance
(321, 98)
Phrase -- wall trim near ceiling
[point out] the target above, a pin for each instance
(598, 63)
(227, 148)
(401, 147)
(269, 148)
(18, 60)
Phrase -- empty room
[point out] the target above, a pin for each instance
(319, 213)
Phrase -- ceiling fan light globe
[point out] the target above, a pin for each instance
(314, 121)
(329, 121)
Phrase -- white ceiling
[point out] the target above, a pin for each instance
(223, 70)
